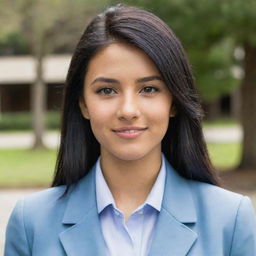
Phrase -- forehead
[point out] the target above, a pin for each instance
(120, 60)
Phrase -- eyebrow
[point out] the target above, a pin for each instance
(115, 81)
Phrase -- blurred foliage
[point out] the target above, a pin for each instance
(13, 44)
(22, 121)
(222, 122)
(210, 31)
(55, 24)
(212, 69)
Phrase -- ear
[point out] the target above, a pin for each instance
(173, 111)
(83, 108)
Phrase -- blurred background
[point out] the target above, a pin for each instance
(37, 38)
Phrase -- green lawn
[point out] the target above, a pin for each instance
(224, 155)
(27, 168)
(223, 122)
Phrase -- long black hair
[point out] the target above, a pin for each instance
(183, 144)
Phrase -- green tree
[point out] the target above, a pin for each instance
(210, 31)
(46, 25)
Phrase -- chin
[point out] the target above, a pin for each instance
(130, 156)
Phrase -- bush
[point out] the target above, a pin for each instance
(23, 121)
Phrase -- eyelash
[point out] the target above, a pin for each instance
(99, 91)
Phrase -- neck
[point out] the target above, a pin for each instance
(130, 181)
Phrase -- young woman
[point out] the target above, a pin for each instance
(133, 176)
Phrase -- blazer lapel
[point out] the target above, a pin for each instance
(172, 236)
(83, 235)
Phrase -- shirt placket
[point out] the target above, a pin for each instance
(135, 229)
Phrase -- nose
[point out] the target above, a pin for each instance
(128, 108)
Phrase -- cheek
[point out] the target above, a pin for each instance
(159, 118)
(160, 111)
(100, 114)
(160, 122)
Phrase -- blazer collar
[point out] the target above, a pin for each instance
(178, 200)
(83, 235)
(172, 235)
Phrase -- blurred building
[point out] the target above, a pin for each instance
(17, 74)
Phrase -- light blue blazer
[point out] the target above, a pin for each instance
(196, 219)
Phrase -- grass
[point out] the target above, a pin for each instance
(223, 122)
(224, 155)
(27, 168)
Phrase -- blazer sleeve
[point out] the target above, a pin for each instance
(244, 236)
(16, 243)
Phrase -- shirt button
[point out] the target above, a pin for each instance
(140, 212)
(117, 213)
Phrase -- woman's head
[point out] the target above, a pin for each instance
(123, 89)
(182, 144)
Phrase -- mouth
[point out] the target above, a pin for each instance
(129, 133)
(129, 130)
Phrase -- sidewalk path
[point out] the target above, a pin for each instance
(51, 139)
(223, 134)
(25, 139)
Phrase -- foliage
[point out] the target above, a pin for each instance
(22, 121)
(209, 31)
(55, 24)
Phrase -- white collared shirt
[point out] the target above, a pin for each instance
(134, 236)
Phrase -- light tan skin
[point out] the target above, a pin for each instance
(130, 167)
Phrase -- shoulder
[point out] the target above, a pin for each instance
(205, 192)
(226, 205)
(220, 200)
(231, 213)
(45, 196)
(221, 204)
(41, 205)
(43, 199)
(33, 214)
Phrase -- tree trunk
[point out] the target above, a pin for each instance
(248, 111)
(236, 104)
(0, 103)
(38, 99)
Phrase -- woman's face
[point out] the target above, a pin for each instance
(123, 89)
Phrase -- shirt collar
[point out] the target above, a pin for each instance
(104, 196)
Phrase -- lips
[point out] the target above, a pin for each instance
(129, 132)
(131, 129)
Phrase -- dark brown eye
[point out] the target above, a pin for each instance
(150, 89)
(105, 91)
